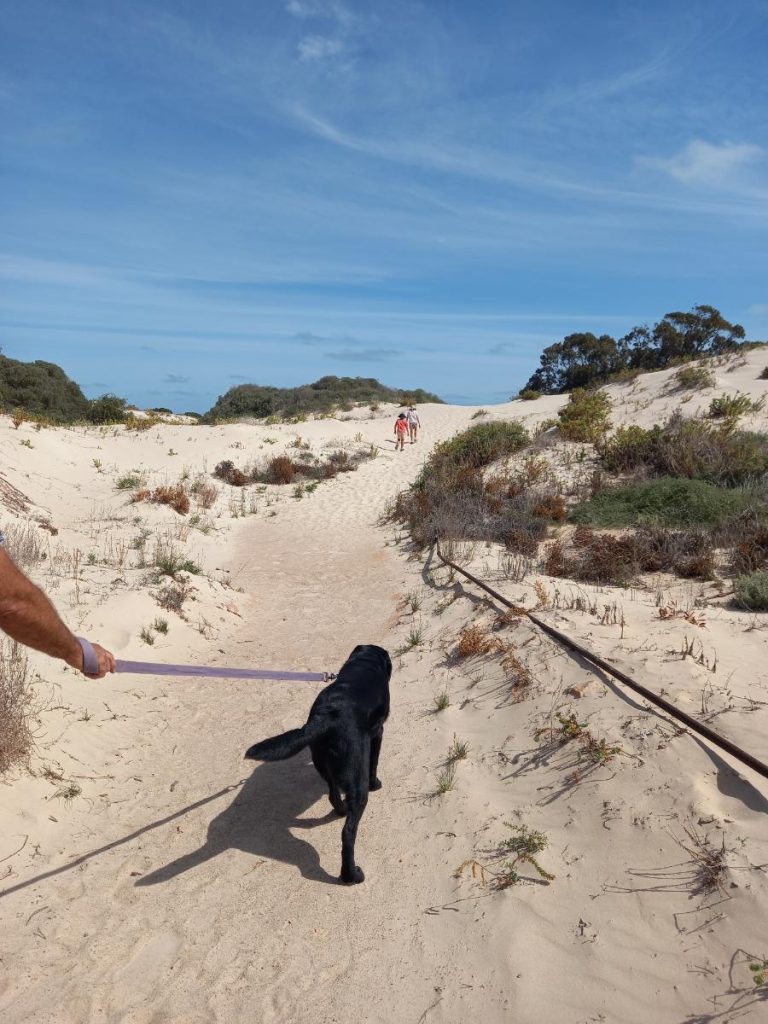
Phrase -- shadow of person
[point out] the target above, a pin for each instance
(259, 821)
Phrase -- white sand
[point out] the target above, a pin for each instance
(183, 886)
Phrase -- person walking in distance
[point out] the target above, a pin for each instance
(413, 423)
(401, 429)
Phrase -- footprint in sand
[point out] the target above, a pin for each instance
(142, 976)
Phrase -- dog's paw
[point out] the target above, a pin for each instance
(354, 877)
(374, 785)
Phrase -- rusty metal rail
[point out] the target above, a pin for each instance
(681, 716)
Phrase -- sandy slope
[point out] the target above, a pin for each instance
(182, 886)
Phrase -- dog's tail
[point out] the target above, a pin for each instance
(278, 748)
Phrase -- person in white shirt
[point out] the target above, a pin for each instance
(413, 423)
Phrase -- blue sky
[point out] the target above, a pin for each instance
(200, 195)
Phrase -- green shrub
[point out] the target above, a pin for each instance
(751, 591)
(732, 406)
(585, 417)
(480, 445)
(629, 449)
(688, 378)
(529, 395)
(688, 448)
(763, 374)
(107, 409)
(665, 501)
(41, 388)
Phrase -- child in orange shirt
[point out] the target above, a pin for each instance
(401, 429)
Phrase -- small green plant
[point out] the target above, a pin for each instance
(763, 374)
(458, 750)
(96, 464)
(479, 414)
(441, 701)
(85, 716)
(412, 601)
(160, 625)
(529, 395)
(298, 492)
(597, 752)
(414, 639)
(172, 452)
(521, 847)
(91, 558)
(446, 779)
(147, 635)
(26, 443)
(129, 482)
(759, 971)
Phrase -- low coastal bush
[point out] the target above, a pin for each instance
(690, 378)
(751, 591)
(450, 498)
(585, 417)
(605, 559)
(529, 395)
(107, 409)
(688, 448)
(730, 407)
(479, 446)
(665, 502)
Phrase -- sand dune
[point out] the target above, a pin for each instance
(182, 885)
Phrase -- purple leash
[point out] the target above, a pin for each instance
(148, 668)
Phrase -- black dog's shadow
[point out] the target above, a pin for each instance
(259, 819)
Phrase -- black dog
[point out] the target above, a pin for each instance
(344, 732)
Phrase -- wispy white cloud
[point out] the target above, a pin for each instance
(320, 47)
(705, 163)
(363, 355)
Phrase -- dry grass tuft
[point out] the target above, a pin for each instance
(474, 640)
(16, 705)
(174, 495)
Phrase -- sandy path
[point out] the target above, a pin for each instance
(231, 908)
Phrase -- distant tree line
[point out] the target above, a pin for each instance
(324, 395)
(44, 389)
(581, 360)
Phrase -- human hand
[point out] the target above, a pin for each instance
(95, 661)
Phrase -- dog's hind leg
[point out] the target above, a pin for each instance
(374, 782)
(324, 769)
(351, 874)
